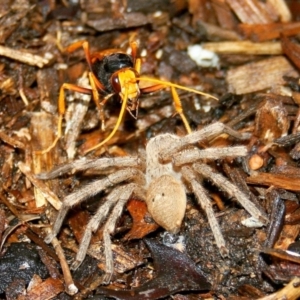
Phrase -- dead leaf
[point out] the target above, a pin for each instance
(142, 221)
(175, 272)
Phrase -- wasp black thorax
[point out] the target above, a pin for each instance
(110, 64)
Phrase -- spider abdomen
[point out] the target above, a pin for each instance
(166, 201)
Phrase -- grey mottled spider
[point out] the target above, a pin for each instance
(169, 159)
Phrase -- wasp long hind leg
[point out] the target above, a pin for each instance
(62, 110)
(160, 84)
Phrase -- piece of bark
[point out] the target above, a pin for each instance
(288, 235)
(259, 75)
(281, 8)
(271, 121)
(174, 272)
(26, 57)
(217, 33)
(105, 23)
(45, 290)
(277, 180)
(291, 50)
(200, 10)
(224, 14)
(250, 11)
(265, 32)
(244, 47)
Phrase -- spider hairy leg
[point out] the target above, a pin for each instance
(124, 193)
(206, 133)
(191, 155)
(206, 205)
(231, 190)
(117, 199)
(83, 164)
(90, 190)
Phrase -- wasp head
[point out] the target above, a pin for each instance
(124, 83)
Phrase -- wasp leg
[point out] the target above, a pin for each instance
(62, 110)
(85, 45)
(95, 83)
(179, 110)
(176, 100)
(119, 121)
(137, 65)
(134, 49)
(96, 86)
(164, 84)
(177, 103)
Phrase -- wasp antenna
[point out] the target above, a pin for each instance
(170, 84)
(122, 112)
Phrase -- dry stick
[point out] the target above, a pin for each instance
(244, 47)
(291, 291)
(71, 288)
(25, 57)
(11, 141)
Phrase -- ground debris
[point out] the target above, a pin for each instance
(249, 56)
(175, 272)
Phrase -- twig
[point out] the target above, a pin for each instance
(48, 194)
(26, 57)
(71, 288)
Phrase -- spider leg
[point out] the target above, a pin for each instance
(90, 190)
(83, 164)
(205, 203)
(208, 132)
(101, 214)
(233, 191)
(94, 224)
(192, 155)
(123, 195)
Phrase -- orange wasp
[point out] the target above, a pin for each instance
(113, 72)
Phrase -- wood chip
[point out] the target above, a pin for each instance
(265, 32)
(45, 290)
(259, 75)
(250, 11)
(25, 57)
(224, 14)
(279, 181)
(281, 8)
(39, 184)
(244, 47)
(291, 50)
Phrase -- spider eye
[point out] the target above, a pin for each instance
(115, 83)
